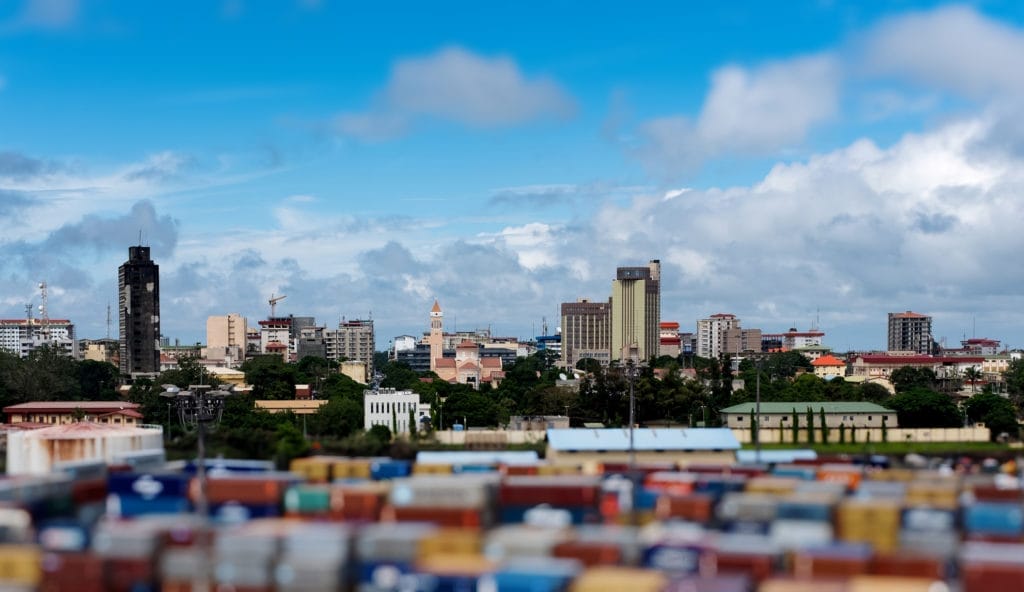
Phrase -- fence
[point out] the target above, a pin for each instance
(862, 435)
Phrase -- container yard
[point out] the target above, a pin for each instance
(478, 523)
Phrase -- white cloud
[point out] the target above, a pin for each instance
(952, 48)
(50, 14)
(746, 111)
(457, 85)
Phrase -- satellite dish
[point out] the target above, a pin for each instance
(561, 376)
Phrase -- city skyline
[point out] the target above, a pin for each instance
(812, 161)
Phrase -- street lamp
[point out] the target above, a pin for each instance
(199, 406)
(631, 372)
(757, 416)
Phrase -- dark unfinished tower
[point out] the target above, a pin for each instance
(138, 281)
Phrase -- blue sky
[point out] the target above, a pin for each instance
(785, 161)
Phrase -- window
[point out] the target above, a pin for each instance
(869, 418)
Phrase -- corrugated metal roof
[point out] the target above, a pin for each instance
(617, 439)
(775, 456)
(474, 457)
(801, 407)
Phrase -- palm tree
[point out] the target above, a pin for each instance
(972, 374)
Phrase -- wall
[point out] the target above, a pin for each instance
(784, 436)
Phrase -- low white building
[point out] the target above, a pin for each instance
(391, 408)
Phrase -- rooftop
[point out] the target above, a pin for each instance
(70, 406)
(617, 439)
(801, 407)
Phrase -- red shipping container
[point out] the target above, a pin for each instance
(127, 575)
(448, 517)
(251, 491)
(517, 470)
(909, 565)
(828, 566)
(533, 491)
(757, 567)
(991, 493)
(89, 491)
(355, 506)
(992, 577)
(696, 507)
(588, 553)
(72, 572)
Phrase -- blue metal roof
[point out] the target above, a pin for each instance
(477, 457)
(617, 439)
(775, 456)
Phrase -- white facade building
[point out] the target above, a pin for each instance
(711, 334)
(391, 408)
(23, 336)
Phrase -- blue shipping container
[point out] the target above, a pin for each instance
(390, 469)
(673, 559)
(804, 511)
(149, 485)
(130, 506)
(993, 518)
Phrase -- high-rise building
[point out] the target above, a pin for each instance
(352, 340)
(226, 331)
(138, 282)
(910, 332)
(23, 336)
(586, 331)
(636, 312)
(711, 334)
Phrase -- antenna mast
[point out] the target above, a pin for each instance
(108, 319)
(43, 313)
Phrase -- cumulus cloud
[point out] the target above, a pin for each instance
(456, 85)
(746, 111)
(953, 48)
(48, 14)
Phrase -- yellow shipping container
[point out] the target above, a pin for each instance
(874, 522)
(431, 469)
(794, 585)
(467, 564)
(894, 584)
(892, 475)
(20, 565)
(450, 541)
(352, 468)
(559, 470)
(618, 579)
(772, 485)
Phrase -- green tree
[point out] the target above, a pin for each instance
(925, 408)
(381, 433)
(290, 444)
(998, 414)
(753, 427)
(973, 375)
(1014, 377)
(97, 380)
(872, 392)
(842, 433)
(824, 425)
(810, 425)
(338, 418)
(885, 428)
(907, 378)
(796, 426)
(477, 409)
(589, 365)
(270, 377)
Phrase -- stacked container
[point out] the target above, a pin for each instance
(137, 494)
(464, 501)
(579, 495)
(386, 554)
(314, 558)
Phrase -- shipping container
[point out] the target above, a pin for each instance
(538, 574)
(833, 561)
(618, 579)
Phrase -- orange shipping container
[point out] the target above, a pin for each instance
(695, 507)
(590, 554)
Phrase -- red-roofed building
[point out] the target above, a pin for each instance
(829, 367)
(64, 412)
(468, 367)
(670, 344)
(883, 365)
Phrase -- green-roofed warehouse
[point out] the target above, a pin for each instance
(780, 415)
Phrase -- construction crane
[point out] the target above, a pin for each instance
(273, 304)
